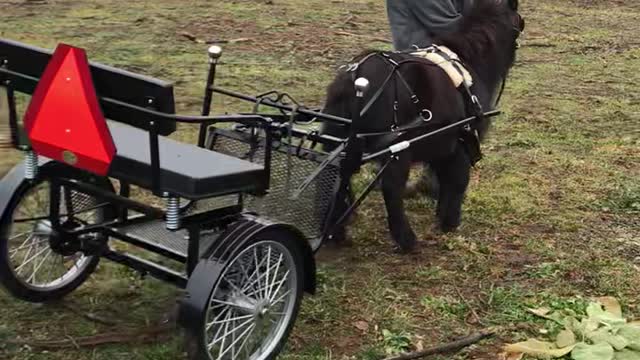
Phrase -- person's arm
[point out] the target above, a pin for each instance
(437, 16)
(400, 22)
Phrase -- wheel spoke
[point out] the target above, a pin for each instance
(224, 311)
(245, 341)
(256, 273)
(215, 337)
(284, 279)
(255, 256)
(21, 234)
(266, 293)
(35, 270)
(281, 298)
(216, 340)
(275, 276)
(224, 303)
(228, 320)
(23, 246)
(19, 268)
(250, 328)
(253, 284)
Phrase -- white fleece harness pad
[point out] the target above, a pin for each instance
(451, 65)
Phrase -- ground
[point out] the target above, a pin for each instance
(552, 216)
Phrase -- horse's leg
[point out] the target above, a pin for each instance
(394, 181)
(453, 173)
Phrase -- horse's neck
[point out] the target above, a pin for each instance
(490, 74)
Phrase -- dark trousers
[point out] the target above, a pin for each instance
(416, 22)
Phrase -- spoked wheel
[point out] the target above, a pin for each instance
(255, 302)
(36, 263)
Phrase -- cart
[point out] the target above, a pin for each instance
(242, 211)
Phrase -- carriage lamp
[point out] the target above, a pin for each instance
(215, 52)
(361, 84)
(173, 212)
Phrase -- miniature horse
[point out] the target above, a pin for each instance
(486, 44)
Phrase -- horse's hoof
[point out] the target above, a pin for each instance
(449, 228)
(404, 250)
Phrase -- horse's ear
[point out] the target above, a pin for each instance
(513, 4)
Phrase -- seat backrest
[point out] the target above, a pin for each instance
(27, 63)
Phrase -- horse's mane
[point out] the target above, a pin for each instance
(479, 31)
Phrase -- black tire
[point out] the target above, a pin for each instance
(10, 277)
(197, 342)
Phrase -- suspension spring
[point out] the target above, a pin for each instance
(31, 165)
(173, 213)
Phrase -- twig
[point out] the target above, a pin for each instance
(191, 37)
(230, 41)
(373, 38)
(539, 44)
(140, 336)
(473, 311)
(90, 316)
(445, 348)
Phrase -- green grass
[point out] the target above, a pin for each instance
(551, 217)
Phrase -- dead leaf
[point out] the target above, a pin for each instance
(611, 305)
(361, 325)
(514, 356)
(538, 348)
(565, 338)
(540, 312)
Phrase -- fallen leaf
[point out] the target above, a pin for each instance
(512, 356)
(595, 312)
(601, 351)
(631, 332)
(627, 354)
(538, 348)
(604, 335)
(361, 325)
(547, 314)
(542, 312)
(565, 338)
(611, 305)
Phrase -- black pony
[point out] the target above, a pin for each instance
(486, 44)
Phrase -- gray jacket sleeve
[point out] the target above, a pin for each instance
(415, 22)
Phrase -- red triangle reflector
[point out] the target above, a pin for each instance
(64, 121)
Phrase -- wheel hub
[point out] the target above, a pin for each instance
(260, 309)
(61, 242)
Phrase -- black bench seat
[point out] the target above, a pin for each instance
(185, 170)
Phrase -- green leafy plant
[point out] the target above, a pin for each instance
(395, 342)
(603, 334)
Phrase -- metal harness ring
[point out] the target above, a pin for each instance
(428, 118)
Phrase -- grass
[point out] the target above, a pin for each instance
(551, 218)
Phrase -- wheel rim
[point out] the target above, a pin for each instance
(252, 304)
(29, 254)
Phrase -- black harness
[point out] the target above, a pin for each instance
(469, 135)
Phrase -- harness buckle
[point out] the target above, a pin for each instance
(415, 99)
